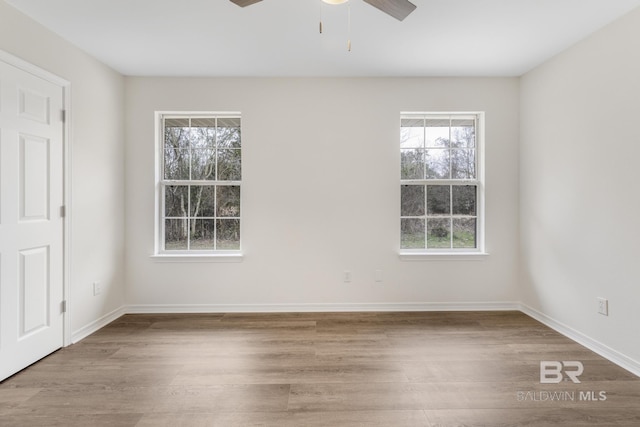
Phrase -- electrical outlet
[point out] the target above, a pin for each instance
(603, 306)
(97, 289)
(346, 276)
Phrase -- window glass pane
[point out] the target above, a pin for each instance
(176, 122)
(176, 200)
(228, 234)
(203, 164)
(203, 122)
(437, 164)
(464, 233)
(228, 132)
(463, 133)
(228, 122)
(437, 132)
(464, 199)
(229, 165)
(201, 234)
(202, 201)
(176, 163)
(411, 164)
(463, 164)
(202, 137)
(412, 200)
(412, 233)
(438, 233)
(175, 234)
(176, 133)
(438, 199)
(228, 200)
(412, 133)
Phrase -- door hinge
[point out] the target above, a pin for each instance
(63, 211)
(63, 306)
(64, 116)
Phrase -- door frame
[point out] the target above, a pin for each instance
(65, 85)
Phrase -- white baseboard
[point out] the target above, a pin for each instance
(310, 308)
(608, 353)
(97, 324)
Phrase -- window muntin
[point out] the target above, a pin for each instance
(200, 183)
(441, 193)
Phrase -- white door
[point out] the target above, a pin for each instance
(31, 223)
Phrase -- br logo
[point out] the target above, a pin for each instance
(553, 372)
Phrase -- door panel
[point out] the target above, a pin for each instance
(31, 228)
(33, 290)
(33, 106)
(34, 178)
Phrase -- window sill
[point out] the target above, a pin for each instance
(443, 256)
(221, 257)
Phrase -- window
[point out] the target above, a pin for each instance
(440, 182)
(199, 183)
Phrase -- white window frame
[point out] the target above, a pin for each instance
(457, 254)
(161, 254)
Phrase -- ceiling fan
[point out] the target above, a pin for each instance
(399, 9)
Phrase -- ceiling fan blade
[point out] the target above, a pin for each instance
(399, 9)
(244, 3)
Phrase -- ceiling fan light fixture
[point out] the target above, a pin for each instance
(335, 1)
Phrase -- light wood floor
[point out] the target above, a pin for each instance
(319, 369)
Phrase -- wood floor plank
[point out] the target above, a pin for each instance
(290, 371)
(97, 400)
(73, 420)
(461, 371)
(100, 374)
(288, 419)
(559, 417)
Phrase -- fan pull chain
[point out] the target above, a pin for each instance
(348, 22)
(349, 27)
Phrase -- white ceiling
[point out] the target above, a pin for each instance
(281, 38)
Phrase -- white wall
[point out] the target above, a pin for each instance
(321, 192)
(97, 167)
(580, 145)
